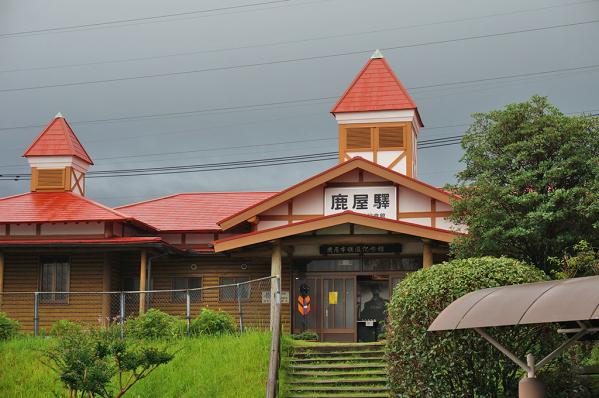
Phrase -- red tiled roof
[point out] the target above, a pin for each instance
(58, 139)
(376, 88)
(192, 211)
(54, 207)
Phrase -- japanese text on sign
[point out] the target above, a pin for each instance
(374, 201)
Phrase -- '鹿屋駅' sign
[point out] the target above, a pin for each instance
(374, 201)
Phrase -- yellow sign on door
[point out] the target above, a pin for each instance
(332, 297)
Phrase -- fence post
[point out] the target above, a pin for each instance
(273, 365)
(188, 311)
(240, 309)
(122, 313)
(36, 313)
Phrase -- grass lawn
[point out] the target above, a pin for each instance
(228, 366)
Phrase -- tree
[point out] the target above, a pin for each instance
(91, 363)
(584, 262)
(530, 187)
(461, 363)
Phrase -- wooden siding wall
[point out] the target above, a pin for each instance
(22, 273)
(211, 270)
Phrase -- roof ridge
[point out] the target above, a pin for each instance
(397, 81)
(110, 209)
(15, 196)
(189, 193)
(70, 132)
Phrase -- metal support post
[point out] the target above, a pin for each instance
(240, 309)
(122, 313)
(188, 311)
(36, 313)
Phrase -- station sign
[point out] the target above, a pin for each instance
(375, 201)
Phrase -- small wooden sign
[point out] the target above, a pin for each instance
(266, 297)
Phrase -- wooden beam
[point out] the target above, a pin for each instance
(143, 276)
(275, 270)
(427, 253)
(1, 277)
(106, 274)
(343, 218)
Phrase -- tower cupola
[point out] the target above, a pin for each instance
(378, 120)
(57, 159)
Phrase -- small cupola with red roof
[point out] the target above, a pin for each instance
(378, 120)
(58, 160)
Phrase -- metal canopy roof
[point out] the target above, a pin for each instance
(543, 302)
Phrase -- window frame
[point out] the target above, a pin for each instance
(237, 279)
(175, 299)
(52, 298)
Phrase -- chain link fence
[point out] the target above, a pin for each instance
(248, 302)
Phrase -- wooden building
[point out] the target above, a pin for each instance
(346, 236)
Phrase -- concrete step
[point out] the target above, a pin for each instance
(336, 359)
(348, 373)
(341, 381)
(360, 353)
(328, 347)
(354, 389)
(338, 366)
(339, 395)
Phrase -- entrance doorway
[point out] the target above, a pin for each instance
(348, 296)
(372, 300)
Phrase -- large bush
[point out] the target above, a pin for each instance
(461, 363)
(212, 323)
(8, 327)
(154, 324)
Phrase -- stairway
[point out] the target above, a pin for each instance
(337, 370)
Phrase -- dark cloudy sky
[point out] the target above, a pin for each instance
(272, 31)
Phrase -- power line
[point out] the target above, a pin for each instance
(276, 161)
(278, 43)
(284, 61)
(300, 101)
(128, 20)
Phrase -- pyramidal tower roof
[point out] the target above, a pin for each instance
(376, 88)
(58, 139)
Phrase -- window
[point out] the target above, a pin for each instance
(55, 278)
(187, 283)
(391, 137)
(366, 138)
(359, 138)
(230, 293)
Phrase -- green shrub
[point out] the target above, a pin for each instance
(65, 328)
(95, 363)
(307, 335)
(212, 323)
(8, 327)
(154, 324)
(461, 363)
